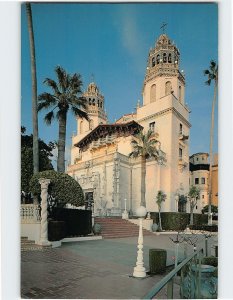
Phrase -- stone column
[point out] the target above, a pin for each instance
(44, 213)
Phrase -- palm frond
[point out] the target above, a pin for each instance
(51, 83)
(79, 113)
(49, 117)
(62, 77)
(79, 101)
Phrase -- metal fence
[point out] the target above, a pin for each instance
(186, 267)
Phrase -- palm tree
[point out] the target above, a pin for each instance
(67, 95)
(34, 90)
(160, 198)
(212, 74)
(144, 146)
(193, 197)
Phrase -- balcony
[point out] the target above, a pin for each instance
(183, 137)
(182, 163)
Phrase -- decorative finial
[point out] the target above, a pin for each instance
(163, 27)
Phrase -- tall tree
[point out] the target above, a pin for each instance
(45, 156)
(34, 90)
(160, 198)
(193, 197)
(67, 95)
(212, 74)
(145, 146)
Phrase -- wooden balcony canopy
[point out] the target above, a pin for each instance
(103, 130)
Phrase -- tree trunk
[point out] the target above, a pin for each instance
(191, 215)
(160, 223)
(61, 143)
(34, 90)
(211, 155)
(143, 182)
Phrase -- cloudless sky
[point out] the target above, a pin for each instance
(112, 42)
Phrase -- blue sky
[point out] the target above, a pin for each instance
(112, 42)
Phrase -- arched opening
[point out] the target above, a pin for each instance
(153, 93)
(89, 101)
(179, 94)
(91, 124)
(81, 127)
(168, 88)
(164, 57)
(169, 58)
(93, 102)
(153, 61)
(157, 59)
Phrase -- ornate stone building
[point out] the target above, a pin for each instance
(100, 151)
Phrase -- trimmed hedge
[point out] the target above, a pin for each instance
(210, 260)
(211, 228)
(177, 220)
(77, 222)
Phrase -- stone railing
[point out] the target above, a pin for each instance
(30, 213)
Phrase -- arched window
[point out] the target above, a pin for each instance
(81, 127)
(153, 93)
(157, 59)
(180, 96)
(168, 88)
(91, 124)
(89, 101)
(153, 61)
(93, 102)
(169, 58)
(164, 57)
(98, 102)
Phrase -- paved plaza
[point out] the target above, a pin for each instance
(98, 269)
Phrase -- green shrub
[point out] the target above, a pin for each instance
(210, 260)
(177, 220)
(157, 261)
(63, 188)
(211, 228)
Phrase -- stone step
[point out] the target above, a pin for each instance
(119, 228)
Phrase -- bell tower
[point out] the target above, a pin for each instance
(163, 76)
(95, 110)
(165, 113)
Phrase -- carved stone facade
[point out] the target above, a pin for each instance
(99, 156)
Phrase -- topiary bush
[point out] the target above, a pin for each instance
(157, 261)
(62, 189)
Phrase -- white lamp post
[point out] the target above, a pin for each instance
(139, 270)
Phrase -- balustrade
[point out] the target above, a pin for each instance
(30, 213)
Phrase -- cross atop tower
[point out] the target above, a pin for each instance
(163, 26)
(92, 77)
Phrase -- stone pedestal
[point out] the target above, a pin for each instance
(125, 215)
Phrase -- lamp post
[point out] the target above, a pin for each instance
(139, 270)
(177, 201)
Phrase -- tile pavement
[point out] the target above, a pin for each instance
(90, 270)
